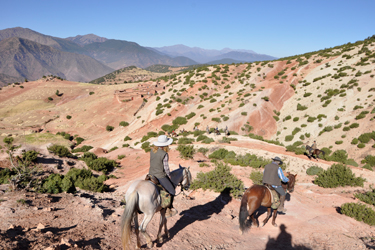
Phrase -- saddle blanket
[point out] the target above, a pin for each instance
(165, 198)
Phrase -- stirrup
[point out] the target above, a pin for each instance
(170, 212)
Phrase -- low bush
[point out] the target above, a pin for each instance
(124, 124)
(185, 140)
(146, 146)
(289, 137)
(257, 177)
(109, 128)
(203, 150)
(360, 212)
(82, 149)
(219, 180)
(60, 150)
(338, 175)
(127, 138)
(296, 148)
(314, 170)
(179, 121)
(207, 140)
(187, 152)
(98, 164)
(368, 197)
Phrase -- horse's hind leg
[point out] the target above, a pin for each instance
(143, 226)
(268, 216)
(136, 227)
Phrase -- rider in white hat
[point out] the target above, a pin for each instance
(160, 169)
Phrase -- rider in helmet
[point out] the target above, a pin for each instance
(273, 175)
(159, 168)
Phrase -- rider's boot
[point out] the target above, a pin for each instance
(281, 208)
(171, 211)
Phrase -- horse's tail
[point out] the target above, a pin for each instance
(126, 219)
(324, 153)
(243, 212)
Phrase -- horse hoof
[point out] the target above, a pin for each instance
(240, 231)
(263, 224)
(275, 225)
(160, 240)
(149, 245)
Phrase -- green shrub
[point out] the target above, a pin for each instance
(82, 149)
(187, 152)
(295, 119)
(296, 148)
(301, 107)
(5, 175)
(366, 137)
(207, 140)
(354, 125)
(314, 170)
(123, 124)
(289, 137)
(146, 146)
(52, 184)
(257, 177)
(109, 128)
(113, 149)
(68, 117)
(120, 157)
(338, 175)
(219, 154)
(30, 156)
(127, 138)
(360, 212)
(100, 164)
(219, 180)
(354, 141)
(368, 197)
(361, 145)
(191, 115)
(185, 140)
(370, 160)
(203, 150)
(338, 142)
(244, 113)
(60, 150)
(179, 121)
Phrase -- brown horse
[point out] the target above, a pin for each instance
(315, 151)
(173, 134)
(259, 195)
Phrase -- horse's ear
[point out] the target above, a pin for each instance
(295, 176)
(179, 165)
(188, 167)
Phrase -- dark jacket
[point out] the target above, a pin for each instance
(156, 164)
(270, 175)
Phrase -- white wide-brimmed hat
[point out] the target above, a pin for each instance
(163, 141)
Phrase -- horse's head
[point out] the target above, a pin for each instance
(292, 180)
(186, 179)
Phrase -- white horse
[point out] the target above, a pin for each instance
(143, 196)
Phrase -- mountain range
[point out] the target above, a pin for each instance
(25, 53)
(205, 56)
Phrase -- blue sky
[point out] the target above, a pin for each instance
(277, 28)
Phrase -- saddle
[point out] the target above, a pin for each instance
(165, 197)
(275, 196)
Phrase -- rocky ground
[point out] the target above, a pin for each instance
(206, 220)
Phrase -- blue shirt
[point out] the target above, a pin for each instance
(281, 176)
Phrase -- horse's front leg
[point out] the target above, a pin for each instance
(268, 216)
(162, 222)
(274, 218)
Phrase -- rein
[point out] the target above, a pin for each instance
(180, 184)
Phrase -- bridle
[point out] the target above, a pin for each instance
(185, 183)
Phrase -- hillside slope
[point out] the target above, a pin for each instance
(27, 59)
